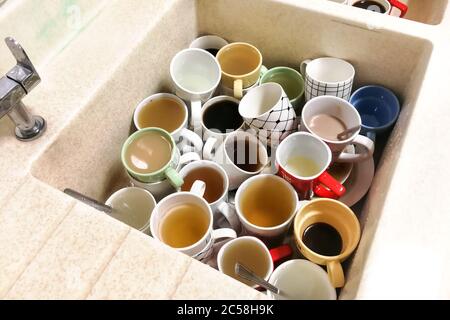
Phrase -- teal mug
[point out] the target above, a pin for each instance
(291, 81)
(150, 155)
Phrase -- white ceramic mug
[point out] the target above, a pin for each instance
(263, 253)
(133, 206)
(259, 231)
(163, 188)
(327, 76)
(221, 205)
(196, 74)
(268, 110)
(301, 280)
(226, 150)
(345, 112)
(209, 42)
(179, 133)
(200, 249)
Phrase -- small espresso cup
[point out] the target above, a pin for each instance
(381, 6)
(266, 205)
(241, 63)
(291, 81)
(168, 112)
(321, 115)
(210, 43)
(137, 155)
(327, 77)
(268, 110)
(195, 74)
(133, 206)
(301, 279)
(241, 155)
(251, 252)
(302, 160)
(216, 192)
(181, 230)
(330, 213)
(378, 107)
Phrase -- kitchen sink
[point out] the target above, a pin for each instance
(86, 155)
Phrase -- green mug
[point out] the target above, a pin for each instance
(291, 81)
(167, 171)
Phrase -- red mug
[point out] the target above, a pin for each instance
(303, 146)
(403, 8)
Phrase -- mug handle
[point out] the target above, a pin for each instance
(363, 142)
(400, 6)
(174, 177)
(336, 189)
(196, 110)
(223, 233)
(193, 138)
(280, 253)
(238, 88)
(208, 148)
(189, 157)
(198, 188)
(303, 66)
(262, 71)
(336, 274)
(230, 214)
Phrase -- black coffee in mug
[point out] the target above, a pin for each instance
(323, 239)
(223, 115)
(370, 5)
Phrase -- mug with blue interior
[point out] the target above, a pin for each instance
(378, 107)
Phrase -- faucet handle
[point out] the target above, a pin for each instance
(24, 72)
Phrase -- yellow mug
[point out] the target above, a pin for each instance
(241, 64)
(342, 219)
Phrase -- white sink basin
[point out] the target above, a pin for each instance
(86, 155)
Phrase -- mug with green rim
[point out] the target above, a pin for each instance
(291, 81)
(168, 170)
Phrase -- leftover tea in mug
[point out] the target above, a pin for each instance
(148, 153)
(327, 126)
(212, 179)
(302, 166)
(248, 253)
(267, 203)
(184, 225)
(164, 113)
(246, 156)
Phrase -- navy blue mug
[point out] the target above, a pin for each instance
(378, 107)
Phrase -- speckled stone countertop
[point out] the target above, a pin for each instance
(55, 247)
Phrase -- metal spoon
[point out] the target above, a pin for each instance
(343, 135)
(89, 201)
(251, 276)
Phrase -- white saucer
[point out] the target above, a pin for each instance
(359, 181)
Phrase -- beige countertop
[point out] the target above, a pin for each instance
(55, 247)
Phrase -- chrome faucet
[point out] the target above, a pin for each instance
(17, 83)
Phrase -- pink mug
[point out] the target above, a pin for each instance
(302, 160)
